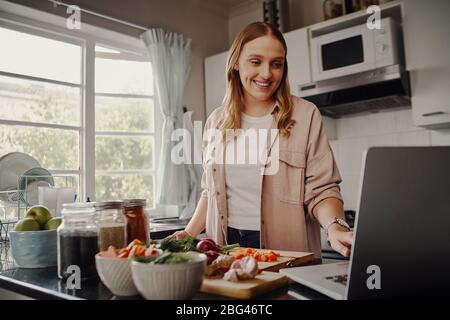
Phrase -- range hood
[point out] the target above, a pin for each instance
(369, 91)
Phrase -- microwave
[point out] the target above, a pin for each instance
(356, 49)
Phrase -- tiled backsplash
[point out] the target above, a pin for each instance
(389, 128)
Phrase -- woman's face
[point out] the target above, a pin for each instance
(261, 67)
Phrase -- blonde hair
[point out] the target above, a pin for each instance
(233, 101)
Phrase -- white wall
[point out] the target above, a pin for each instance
(388, 128)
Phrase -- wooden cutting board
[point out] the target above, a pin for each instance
(246, 289)
(287, 259)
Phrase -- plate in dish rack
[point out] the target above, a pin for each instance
(12, 166)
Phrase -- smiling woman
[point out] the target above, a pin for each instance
(249, 203)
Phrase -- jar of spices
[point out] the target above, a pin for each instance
(137, 222)
(77, 240)
(112, 225)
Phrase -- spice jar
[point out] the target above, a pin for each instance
(137, 221)
(77, 240)
(112, 225)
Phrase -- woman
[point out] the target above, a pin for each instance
(244, 202)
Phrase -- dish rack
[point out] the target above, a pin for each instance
(14, 203)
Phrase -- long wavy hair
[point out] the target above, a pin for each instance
(234, 98)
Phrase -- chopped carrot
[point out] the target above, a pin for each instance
(264, 256)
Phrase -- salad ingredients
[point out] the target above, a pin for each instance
(263, 256)
(207, 245)
(165, 258)
(219, 266)
(135, 248)
(181, 245)
(244, 269)
(211, 256)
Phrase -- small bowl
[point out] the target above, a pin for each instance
(170, 281)
(115, 274)
(34, 249)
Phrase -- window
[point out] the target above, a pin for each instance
(46, 110)
(40, 101)
(124, 126)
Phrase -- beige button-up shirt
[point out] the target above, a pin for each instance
(307, 174)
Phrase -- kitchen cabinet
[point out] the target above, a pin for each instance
(215, 80)
(298, 59)
(426, 30)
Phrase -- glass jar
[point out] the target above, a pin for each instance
(137, 222)
(112, 225)
(77, 240)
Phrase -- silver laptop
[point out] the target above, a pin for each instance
(402, 230)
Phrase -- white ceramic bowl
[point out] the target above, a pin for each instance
(115, 274)
(169, 281)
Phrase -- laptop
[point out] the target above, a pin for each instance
(402, 230)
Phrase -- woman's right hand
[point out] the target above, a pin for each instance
(180, 235)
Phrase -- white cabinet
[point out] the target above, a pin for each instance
(298, 59)
(426, 27)
(215, 81)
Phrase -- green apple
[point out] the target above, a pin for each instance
(27, 224)
(39, 213)
(53, 223)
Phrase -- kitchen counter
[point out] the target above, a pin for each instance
(43, 283)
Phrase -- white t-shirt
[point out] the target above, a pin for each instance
(244, 157)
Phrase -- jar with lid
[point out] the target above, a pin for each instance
(77, 240)
(137, 222)
(112, 225)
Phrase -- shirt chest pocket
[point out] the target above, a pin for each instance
(291, 176)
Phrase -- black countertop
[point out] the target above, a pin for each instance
(43, 283)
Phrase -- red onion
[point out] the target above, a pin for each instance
(207, 245)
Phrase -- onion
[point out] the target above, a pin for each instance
(211, 256)
(207, 245)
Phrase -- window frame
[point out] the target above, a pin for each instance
(39, 23)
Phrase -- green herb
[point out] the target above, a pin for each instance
(226, 249)
(182, 245)
(165, 258)
(171, 258)
(147, 259)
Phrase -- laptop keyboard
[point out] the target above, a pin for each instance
(342, 279)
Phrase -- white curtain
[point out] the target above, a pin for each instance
(171, 60)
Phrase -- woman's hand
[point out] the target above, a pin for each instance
(340, 239)
(180, 235)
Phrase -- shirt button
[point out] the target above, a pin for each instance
(214, 169)
(262, 221)
(221, 217)
(218, 193)
(263, 247)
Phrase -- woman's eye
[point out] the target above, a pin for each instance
(255, 62)
(278, 64)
